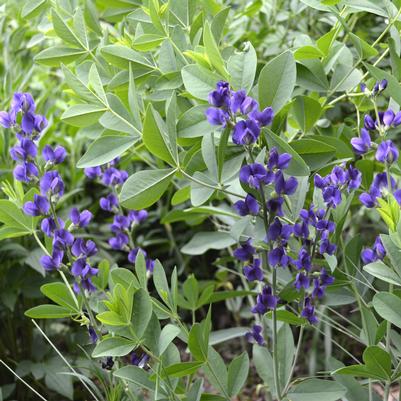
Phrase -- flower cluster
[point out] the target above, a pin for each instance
(123, 224)
(378, 252)
(236, 109)
(45, 178)
(378, 88)
(28, 126)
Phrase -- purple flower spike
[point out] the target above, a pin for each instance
(253, 272)
(332, 196)
(278, 161)
(55, 156)
(248, 206)
(40, 123)
(283, 186)
(246, 132)
(301, 281)
(362, 144)
(39, 207)
(48, 225)
(119, 241)
(369, 123)
(22, 102)
(137, 216)
(388, 117)
(81, 247)
(62, 239)
(275, 206)
(221, 95)
(51, 182)
(387, 152)
(255, 335)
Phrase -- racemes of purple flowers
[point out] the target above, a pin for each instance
(268, 186)
(123, 224)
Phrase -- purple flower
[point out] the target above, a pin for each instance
(254, 174)
(248, 206)
(24, 151)
(55, 156)
(301, 281)
(354, 178)
(304, 260)
(255, 335)
(81, 268)
(81, 247)
(283, 186)
(321, 182)
(325, 278)
(25, 172)
(245, 104)
(378, 252)
(274, 206)
(397, 196)
(221, 95)
(137, 216)
(39, 207)
(246, 132)
(390, 119)
(279, 257)
(318, 290)
(327, 247)
(40, 123)
(338, 176)
(387, 152)
(369, 124)
(62, 239)
(369, 198)
(51, 182)
(92, 335)
(332, 196)
(380, 181)
(140, 360)
(133, 253)
(48, 225)
(119, 241)
(120, 223)
(278, 230)
(277, 161)
(216, 116)
(80, 219)
(264, 117)
(245, 251)
(28, 123)
(52, 262)
(7, 120)
(22, 102)
(86, 284)
(113, 176)
(253, 272)
(308, 311)
(265, 301)
(109, 202)
(150, 264)
(93, 172)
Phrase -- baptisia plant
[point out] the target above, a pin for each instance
(298, 246)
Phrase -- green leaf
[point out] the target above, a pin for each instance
(277, 81)
(306, 111)
(15, 220)
(138, 376)
(144, 188)
(383, 272)
(237, 373)
(147, 42)
(113, 346)
(220, 336)
(160, 282)
(307, 52)
(199, 81)
(106, 148)
(181, 369)
(264, 366)
(112, 319)
(317, 390)
(83, 115)
(96, 83)
(122, 56)
(60, 294)
(54, 56)
(49, 312)
(32, 8)
(242, 68)
(388, 306)
(63, 31)
(213, 51)
(203, 241)
(316, 154)
(142, 312)
(377, 365)
(297, 165)
(155, 136)
(167, 335)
